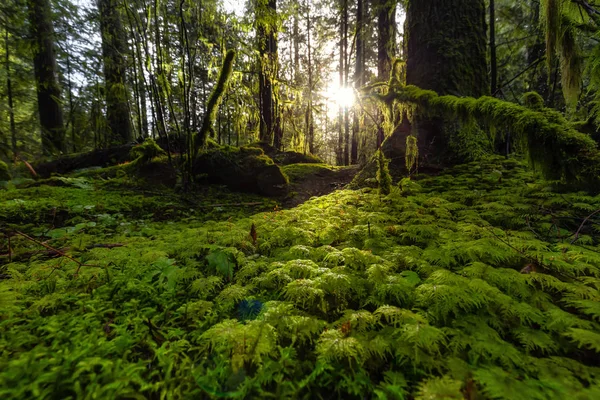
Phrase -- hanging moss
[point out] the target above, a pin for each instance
(212, 106)
(559, 24)
(383, 174)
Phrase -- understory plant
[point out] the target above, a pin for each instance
(479, 283)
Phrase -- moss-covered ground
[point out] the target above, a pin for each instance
(479, 283)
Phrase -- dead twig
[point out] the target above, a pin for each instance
(582, 224)
(79, 263)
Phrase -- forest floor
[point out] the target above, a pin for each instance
(319, 183)
(481, 282)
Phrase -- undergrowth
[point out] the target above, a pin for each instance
(480, 283)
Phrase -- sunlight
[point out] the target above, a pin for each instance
(338, 97)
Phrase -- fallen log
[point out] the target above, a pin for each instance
(96, 158)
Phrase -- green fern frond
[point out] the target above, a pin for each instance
(584, 339)
(535, 340)
(440, 388)
(334, 346)
(306, 294)
(394, 316)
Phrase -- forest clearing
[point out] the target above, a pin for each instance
(367, 199)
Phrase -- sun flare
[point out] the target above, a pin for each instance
(338, 96)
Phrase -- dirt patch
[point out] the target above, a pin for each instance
(319, 184)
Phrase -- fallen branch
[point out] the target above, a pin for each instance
(56, 252)
(79, 263)
(582, 224)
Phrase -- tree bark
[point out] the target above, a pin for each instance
(310, 129)
(114, 48)
(446, 53)
(493, 57)
(11, 111)
(346, 73)
(267, 48)
(45, 69)
(386, 48)
(340, 150)
(359, 68)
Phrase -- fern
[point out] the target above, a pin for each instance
(584, 338)
(334, 346)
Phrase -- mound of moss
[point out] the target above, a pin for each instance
(246, 169)
(298, 172)
(287, 157)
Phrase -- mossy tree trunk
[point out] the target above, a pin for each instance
(114, 48)
(266, 17)
(359, 74)
(46, 71)
(386, 47)
(446, 52)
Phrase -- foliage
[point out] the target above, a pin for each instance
(481, 280)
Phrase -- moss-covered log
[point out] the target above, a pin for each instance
(553, 145)
(97, 158)
(287, 157)
(245, 168)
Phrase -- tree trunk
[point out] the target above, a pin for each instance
(310, 129)
(45, 68)
(267, 46)
(358, 75)
(447, 54)
(493, 57)
(346, 73)
(340, 150)
(114, 48)
(11, 111)
(386, 48)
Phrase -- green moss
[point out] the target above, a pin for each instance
(145, 152)
(242, 168)
(299, 172)
(212, 106)
(553, 146)
(468, 276)
(383, 174)
(533, 101)
(4, 171)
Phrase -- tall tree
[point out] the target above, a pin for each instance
(114, 48)
(359, 75)
(46, 77)
(345, 23)
(9, 94)
(386, 48)
(446, 53)
(310, 126)
(266, 19)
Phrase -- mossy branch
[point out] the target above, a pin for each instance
(212, 106)
(554, 146)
